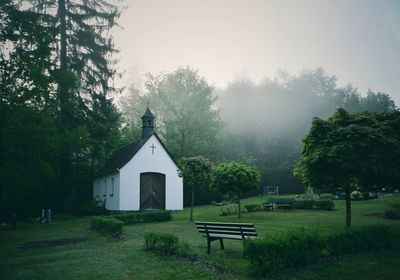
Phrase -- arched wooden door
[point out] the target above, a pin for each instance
(152, 191)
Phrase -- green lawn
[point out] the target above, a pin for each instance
(103, 258)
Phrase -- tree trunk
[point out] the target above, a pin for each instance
(192, 204)
(239, 211)
(64, 162)
(348, 207)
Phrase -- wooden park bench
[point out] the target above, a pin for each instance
(219, 231)
(283, 203)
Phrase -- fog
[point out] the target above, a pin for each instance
(358, 41)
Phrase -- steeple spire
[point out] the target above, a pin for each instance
(147, 123)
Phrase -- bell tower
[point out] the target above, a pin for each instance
(147, 123)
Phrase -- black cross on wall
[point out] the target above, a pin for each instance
(152, 148)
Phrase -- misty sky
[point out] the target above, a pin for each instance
(356, 40)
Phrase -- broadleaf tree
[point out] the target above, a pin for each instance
(183, 102)
(196, 172)
(351, 150)
(235, 178)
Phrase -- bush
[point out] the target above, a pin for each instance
(253, 207)
(303, 247)
(228, 210)
(144, 217)
(166, 244)
(93, 208)
(356, 195)
(319, 204)
(158, 216)
(393, 212)
(304, 204)
(373, 237)
(107, 226)
(272, 254)
(324, 204)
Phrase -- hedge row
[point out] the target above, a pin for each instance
(303, 247)
(107, 226)
(320, 204)
(166, 244)
(144, 217)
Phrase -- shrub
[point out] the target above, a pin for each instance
(93, 208)
(356, 195)
(166, 244)
(272, 254)
(157, 216)
(253, 207)
(324, 204)
(228, 210)
(107, 226)
(319, 204)
(368, 238)
(326, 196)
(302, 247)
(144, 217)
(304, 204)
(393, 212)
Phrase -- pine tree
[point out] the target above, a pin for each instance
(84, 73)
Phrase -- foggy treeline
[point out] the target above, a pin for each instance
(260, 124)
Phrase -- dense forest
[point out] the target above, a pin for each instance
(60, 119)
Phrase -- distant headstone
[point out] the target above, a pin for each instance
(48, 218)
(43, 217)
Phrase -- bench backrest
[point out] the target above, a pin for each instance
(242, 229)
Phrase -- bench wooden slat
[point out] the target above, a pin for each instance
(219, 231)
(227, 228)
(224, 224)
(252, 233)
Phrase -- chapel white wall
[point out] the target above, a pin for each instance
(145, 161)
(103, 191)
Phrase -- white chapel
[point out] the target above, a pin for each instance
(141, 175)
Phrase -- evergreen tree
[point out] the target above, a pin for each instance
(84, 72)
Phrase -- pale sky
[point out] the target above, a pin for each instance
(356, 40)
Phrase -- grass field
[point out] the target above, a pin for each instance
(103, 258)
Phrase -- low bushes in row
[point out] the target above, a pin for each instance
(306, 246)
(166, 244)
(253, 207)
(107, 226)
(318, 204)
(144, 217)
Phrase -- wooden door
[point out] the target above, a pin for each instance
(152, 191)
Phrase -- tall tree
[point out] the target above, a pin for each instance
(186, 117)
(348, 150)
(27, 129)
(84, 73)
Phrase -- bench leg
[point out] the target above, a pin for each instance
(208, 245)
(221, 241)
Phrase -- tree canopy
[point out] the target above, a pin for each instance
(235, 178)
(183, 102)
(196, 173)
(347, 150)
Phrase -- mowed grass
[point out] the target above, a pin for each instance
(103, 258)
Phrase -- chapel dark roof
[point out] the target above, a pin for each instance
(121, 157)
(148, 114)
